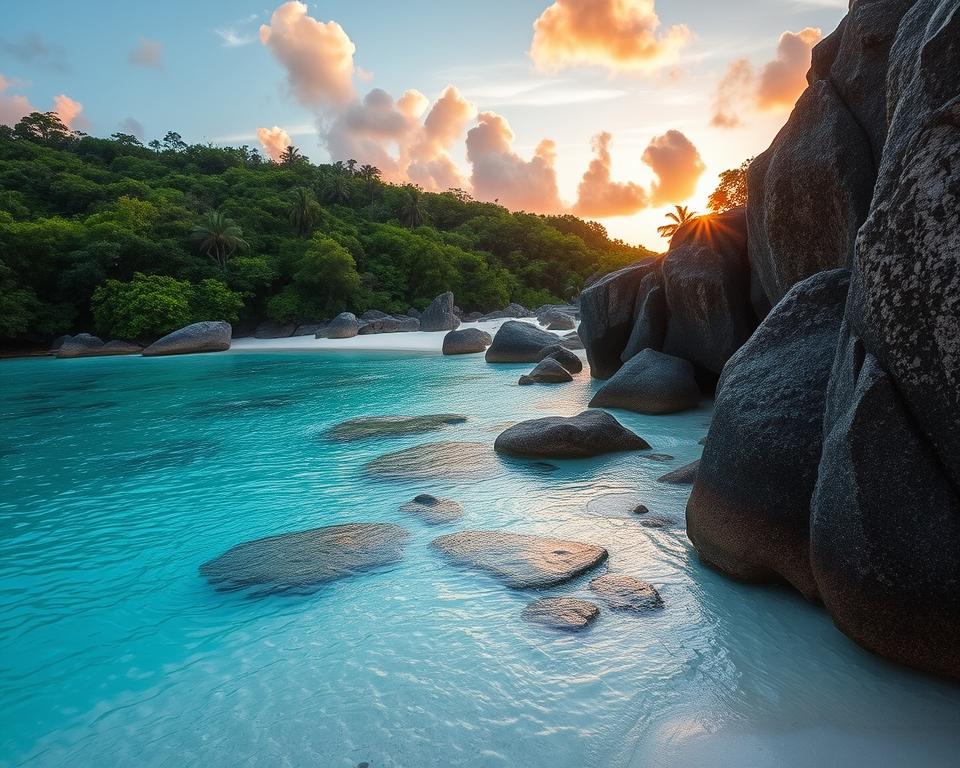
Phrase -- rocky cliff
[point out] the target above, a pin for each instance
(833, 462)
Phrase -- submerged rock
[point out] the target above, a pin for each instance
(685, 475)
(363, 427)
(568, 359)
(560, 612)
(343, 326)
(650, 382)
(466, 341)
(547, 371)
(440, 315)
(519, 560)
(301, 562)
(589, 433)
(447, 460)
(625, 593)
(207, 336)
(518, 342)
(433, 510)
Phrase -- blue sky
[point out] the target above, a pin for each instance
(210, 91)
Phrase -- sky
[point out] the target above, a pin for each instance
(614, 110)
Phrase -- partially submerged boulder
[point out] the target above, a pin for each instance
(547, 371)
(439, 316)
(447, 460)
(589, 433)
(466, 341)
(343, 326)
(207, 336)
(567, 613)
(685, 475)
(567, 358)
(749, 511)
(303, 561)
(433, 510)
(626, 593)
(519, 560)
(364, 427)
(519, 342)
(607, 311)
(650, 382)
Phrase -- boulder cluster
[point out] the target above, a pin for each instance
(833, 461)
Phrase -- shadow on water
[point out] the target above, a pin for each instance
(163, 455)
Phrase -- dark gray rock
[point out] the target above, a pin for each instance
(81, 345)
(607, 312)
(650, 382)
(641, 509)
(650, 322)
(58, 342)
(749, 512)
(270, 330)
(568, 359)
(571, 341)
(809, 192)
(589, 433)
(685, 475)
(625, 593)
(885, 522)
(439, 316)
(372, 314)
(471, 317)
(364, 427)
(389, 324)
(725, 233)
(557, 320)
(117, 347)
(309, 329)
(446, 460)
(207, 336)
(656, 521)
(343, 326)
(560, 612)
(519, 560)
(414, 312)
(547, 371)
(519, 342)
(510, 311)
(466, 341)
(303, 561)
(708, 299)
(433, 510)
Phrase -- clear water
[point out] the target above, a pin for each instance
(120, 476)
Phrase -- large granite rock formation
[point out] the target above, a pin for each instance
(439, 316)
(651, 382)
(343, 326)
(519, 342)
(207, 336)
(749, 511)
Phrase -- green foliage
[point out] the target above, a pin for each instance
(731, 191)
(149, 306)
(143, 228)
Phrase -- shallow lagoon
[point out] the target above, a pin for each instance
(122, 475)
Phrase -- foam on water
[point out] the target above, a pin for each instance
(122, 475)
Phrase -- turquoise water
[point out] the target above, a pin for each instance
(122, 475)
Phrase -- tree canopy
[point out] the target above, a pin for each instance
(90, 226)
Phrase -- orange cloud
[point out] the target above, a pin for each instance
(598, 196)
(617, 34)
(318, 57)
(430, 163)
(274, 141)
(13, 107)
(148, 53)
(778, 84)
(677, 164)
(68, 110)
(498, 173)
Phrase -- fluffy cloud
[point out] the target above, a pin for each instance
(148, 53)
(274, 140)
(391, 135)
(777, 85)
(68, 110)
(12, 107)
(677, 164)
(617, 34)
(318, 57)
(598, 196)
(498, 173)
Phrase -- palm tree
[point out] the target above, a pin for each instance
(291, 155)
(337, 189)
(219, 237)
(302, 204)
(370, 175)
(678, 217)
(411, 206)
(351, 166)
